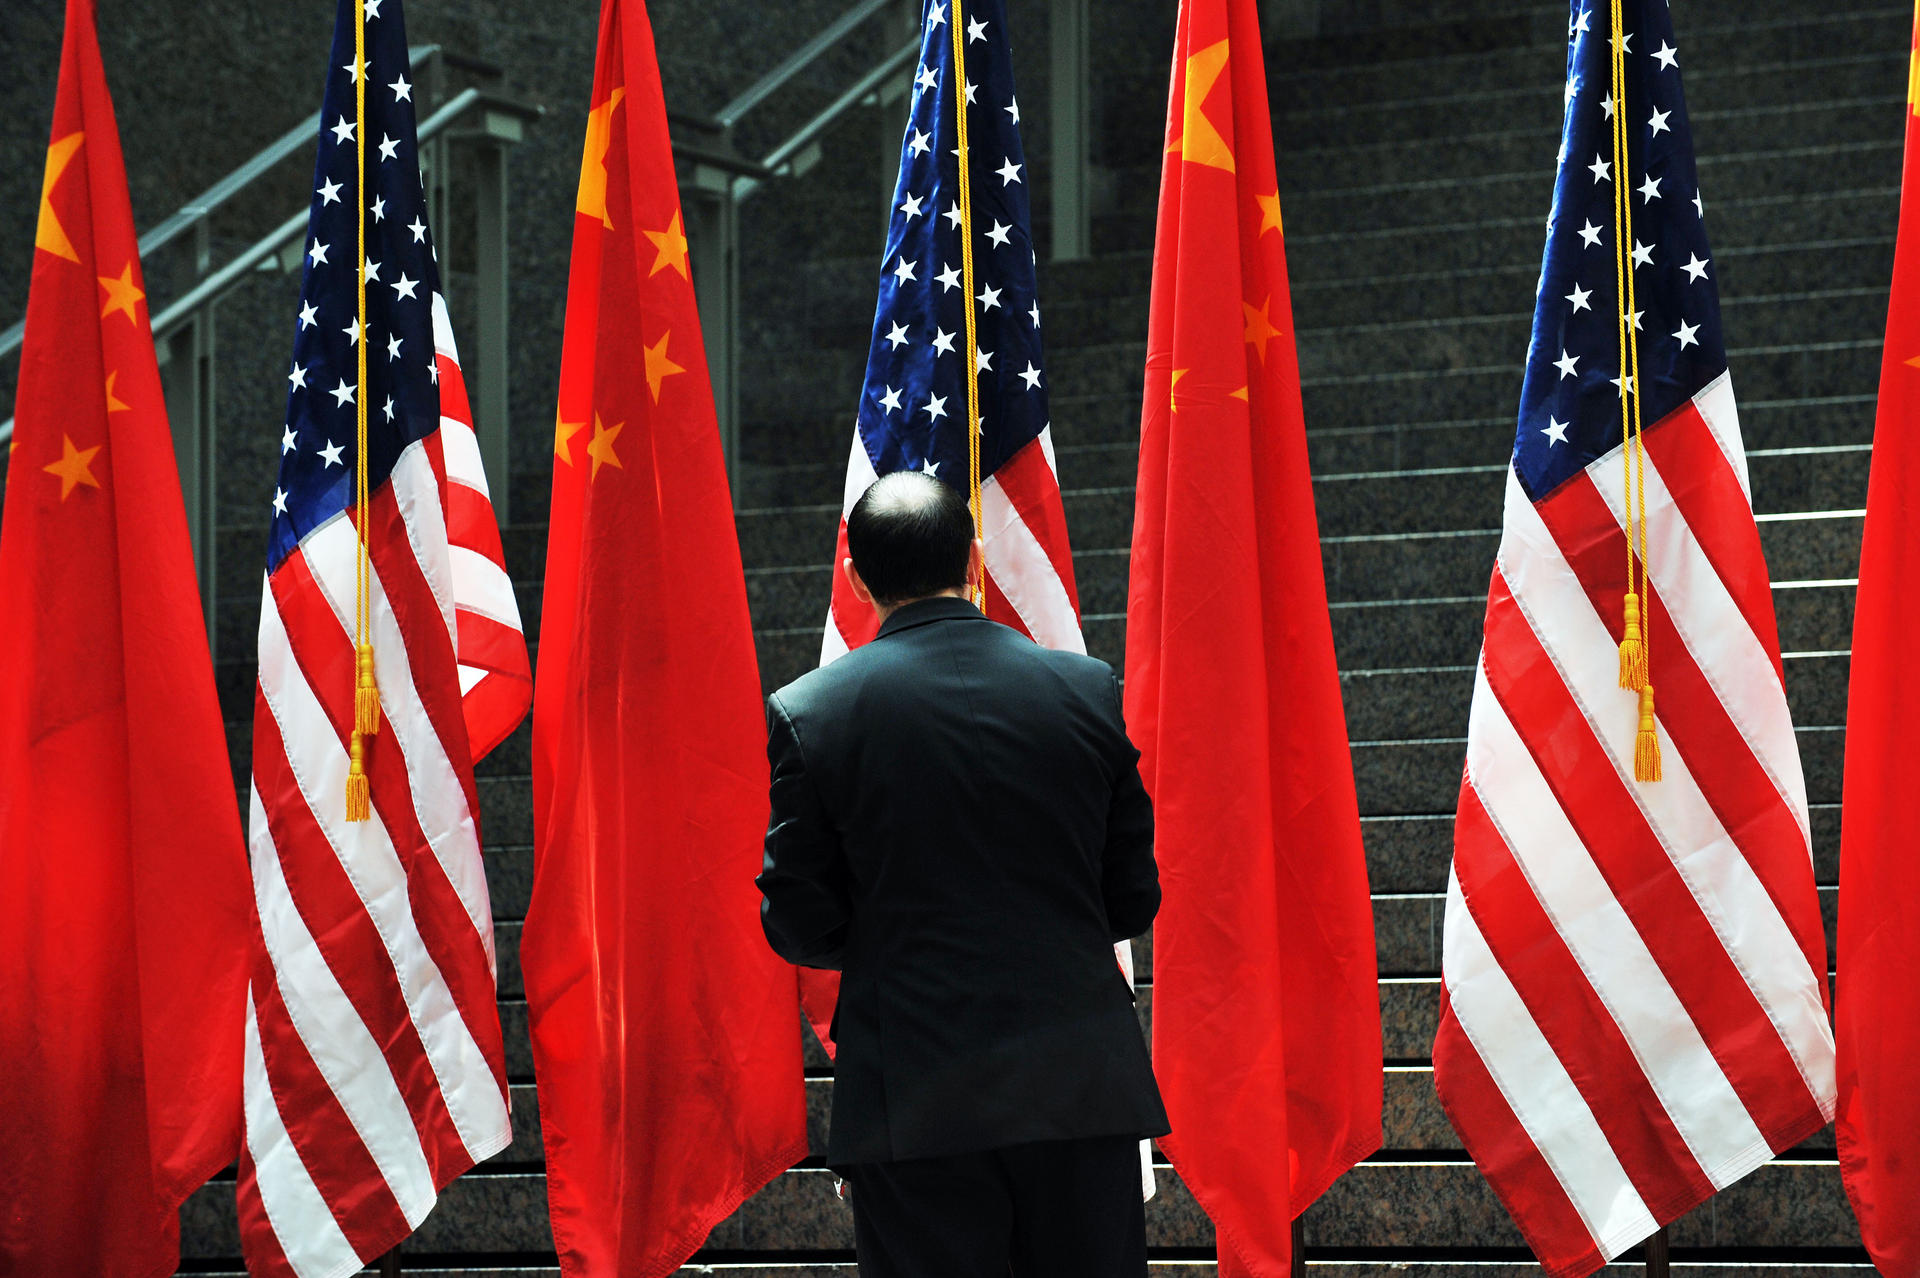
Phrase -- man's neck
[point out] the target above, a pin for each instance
(958, 592)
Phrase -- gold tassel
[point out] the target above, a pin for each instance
(359, 794)
(366, 696)
(1633, 650)
(1646, 743)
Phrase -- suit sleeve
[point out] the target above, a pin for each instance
(1130, 880)
(805, 898)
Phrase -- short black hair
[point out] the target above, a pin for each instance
(910, 536)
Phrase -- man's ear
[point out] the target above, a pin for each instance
(976, 565)
(860, 590)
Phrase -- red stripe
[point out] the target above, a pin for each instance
(1001, 609)
(471, 522)
(856, 621)
(453, 390)
(348, 939)
(1031, 486)
(1572, 1017)
(1708, 493)
(449, 935)
(258, 1243)
(1506, 1155)
(489, 645)
(1742, 796)
(1639, 872)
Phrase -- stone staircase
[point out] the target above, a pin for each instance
(1415, 163)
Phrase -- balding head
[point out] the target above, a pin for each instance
(910, 537)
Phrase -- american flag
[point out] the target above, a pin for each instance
(913, 403)
(374, 1066)
(1634, 972)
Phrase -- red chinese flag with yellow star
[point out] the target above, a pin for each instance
(1877, 986)
(1266, 1024)
(124, 895)
(666, 1035)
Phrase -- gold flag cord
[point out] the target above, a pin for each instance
(1635, 645)
(366, 696)
(972, 372)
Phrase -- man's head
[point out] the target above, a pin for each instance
(909, 537)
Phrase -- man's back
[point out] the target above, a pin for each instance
(959, 826)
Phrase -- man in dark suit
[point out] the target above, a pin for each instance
(959, 827)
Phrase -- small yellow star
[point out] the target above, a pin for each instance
(50, 235)
(1173, 402)
(114, 403)
(601, 449)
(592, 197)
(1260, 329)
(672, 244)
(1240, 394)
(72, 468)
(123, 294)
(563, 433)
(659, 367)
(1270, 213)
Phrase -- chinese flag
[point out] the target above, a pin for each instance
(1877, 988)
(1266, 1023)
(124, 896)
(666, 1033)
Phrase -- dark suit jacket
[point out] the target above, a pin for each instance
(960, 828)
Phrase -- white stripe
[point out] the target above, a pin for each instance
(1536, 1085)
(1716, 405)
(366, 853)
(343, 1050)
(1731, 657)
(470, 677)
(416, 493)
(295, 1210)
(1019, 565)
(461, 448)
(443, 329)
(833, 645)
(1046, 450)
(439, 799)
(1729, 894)
(482, 586)
(1677, 1062)
(860, 475)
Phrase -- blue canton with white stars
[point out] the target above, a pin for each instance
(913, 405)
(1570, 404)
(402, 391)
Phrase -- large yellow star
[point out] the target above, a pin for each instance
(1173, 400)
(1200, 142)
(1260, 329)
(1270, 213)
(123, 294)
(114, 403)
(672, 244)
(1913, 80)
(563, 433)
(659, 367)
(601, 447)
(592, 199)
(50, 235)
(72, 468)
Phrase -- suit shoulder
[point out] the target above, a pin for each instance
(823, 685)
(1078, 666)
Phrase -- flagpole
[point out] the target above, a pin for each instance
(1656, 1252)
(389, 1264)
(1299, 1248)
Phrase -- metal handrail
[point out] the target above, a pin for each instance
(858, 92)
(799, 60)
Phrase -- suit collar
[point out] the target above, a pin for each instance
(924, 611)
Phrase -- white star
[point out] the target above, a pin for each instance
(402, 91)
(1590, 233)
(976, 30)
(317, 254)
(903, 270)
(331, 455)
(298, 378)
(329, 192)
(1685, 334)
(989, 297)
(419, 230)
(1650, 189)
(379, 209)
(971, 90)
(1699, 207)
(352, 69)
(949, 279)
(1579, 23)
(373, 271)
(936, 407)
(983, 361)
(912, 207)
(1031, 376)
(387, 408)
(1573, 88)
(999, 234)
(1624, 387)
(1579, 298)
(942, 341)
(353, 332)
(926, 79)
(1664, 55)
(1658, 124)
(433, 371)
(1013, 109)
(279, 501)
(1009, 172)
(393, 347)
(373, 8)
(930, 469)
(403, 287)
(307, 314)
(891, 400)
(287, 442)
(1635, 317)
(897, 338)
(936, 16)
(1555, 431)
(919, 143)
(952, 215)
(1606, 104)
(1626, 43)
(1642, 254)
(1696, 269)
(1601, 170)
(343, 130)
(1035, 312)
(342, 394)
(389, 147)
(1566, 362)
